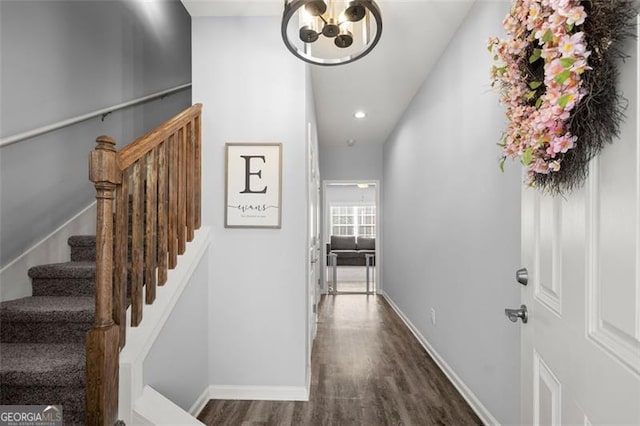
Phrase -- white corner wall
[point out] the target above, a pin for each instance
(452, 221)
(253, 90)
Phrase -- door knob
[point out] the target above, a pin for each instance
(514, 314)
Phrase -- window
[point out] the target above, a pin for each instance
(359, 221)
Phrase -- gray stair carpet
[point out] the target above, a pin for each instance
(42, 355)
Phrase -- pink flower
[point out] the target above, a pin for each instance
(575, 15)
(572, 45)
(563, 143)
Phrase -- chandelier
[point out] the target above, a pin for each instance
(331, 32)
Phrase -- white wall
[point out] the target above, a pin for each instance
(452, 219)
(177, 365)
(253, 90)
(358, 162)
(60, 59)
(351, 194)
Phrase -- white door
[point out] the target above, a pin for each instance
(581, 345)
(313, 182)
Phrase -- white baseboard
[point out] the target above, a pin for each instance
(51, 249)
(200, 403)
(259, 393)
(477, 406)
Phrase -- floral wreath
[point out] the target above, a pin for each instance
(556, 71)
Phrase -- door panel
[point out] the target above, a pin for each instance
(581, 347)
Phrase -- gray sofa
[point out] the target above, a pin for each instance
(351, 250)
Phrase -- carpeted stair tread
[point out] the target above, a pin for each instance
(32, 364)
(48, 309)
(65, 270)
(82, 241)
(83, 247)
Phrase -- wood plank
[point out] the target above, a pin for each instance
(190, 150)
(151, 224)
(173, 201)
(102, 342)
(137, 244)
(163, 212)
(102, 367)
(182, 191)
(138, 148)
(198, 171)
(121, 257)
(380, 376)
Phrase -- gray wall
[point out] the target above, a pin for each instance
(60, 59)
(455, 243)
(339, 194)
(358, 162)
(253, 90)
(178, 362)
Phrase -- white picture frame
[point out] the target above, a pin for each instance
(253, 185)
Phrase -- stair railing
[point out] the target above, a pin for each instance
(153, 186)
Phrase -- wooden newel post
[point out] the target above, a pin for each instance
(102, 343)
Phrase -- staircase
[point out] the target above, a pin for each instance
(42, 337)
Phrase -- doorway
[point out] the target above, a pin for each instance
(351, 237)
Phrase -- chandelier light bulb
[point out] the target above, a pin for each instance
(315, 7)
(308, 34)
(344, 39)
(355, 11)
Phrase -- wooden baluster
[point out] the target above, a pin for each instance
(151, 223)
(137, 243)
(190, 170)
(182, 193)
(121, 257)
(102, 342)
(197, 167)
(163, 207)
(173, 202)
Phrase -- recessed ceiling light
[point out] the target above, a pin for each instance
(360, 114)
(351, 142)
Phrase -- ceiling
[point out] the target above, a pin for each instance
(415, 32)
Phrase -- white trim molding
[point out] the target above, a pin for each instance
(154, 409)
(200, 403)
(477, 406)
(259, 393)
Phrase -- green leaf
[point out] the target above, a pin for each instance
(530, 95)
(535, 55)
(527, 156)
(501, 164)
(547, 36)
(490, 48)
(564, 100)
(569, 27)
(539, 102)
(567, 62)
(563, 76)
(535, 84)
(501, 70)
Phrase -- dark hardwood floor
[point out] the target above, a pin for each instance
(367, 369)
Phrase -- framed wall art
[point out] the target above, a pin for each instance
(253, 193)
